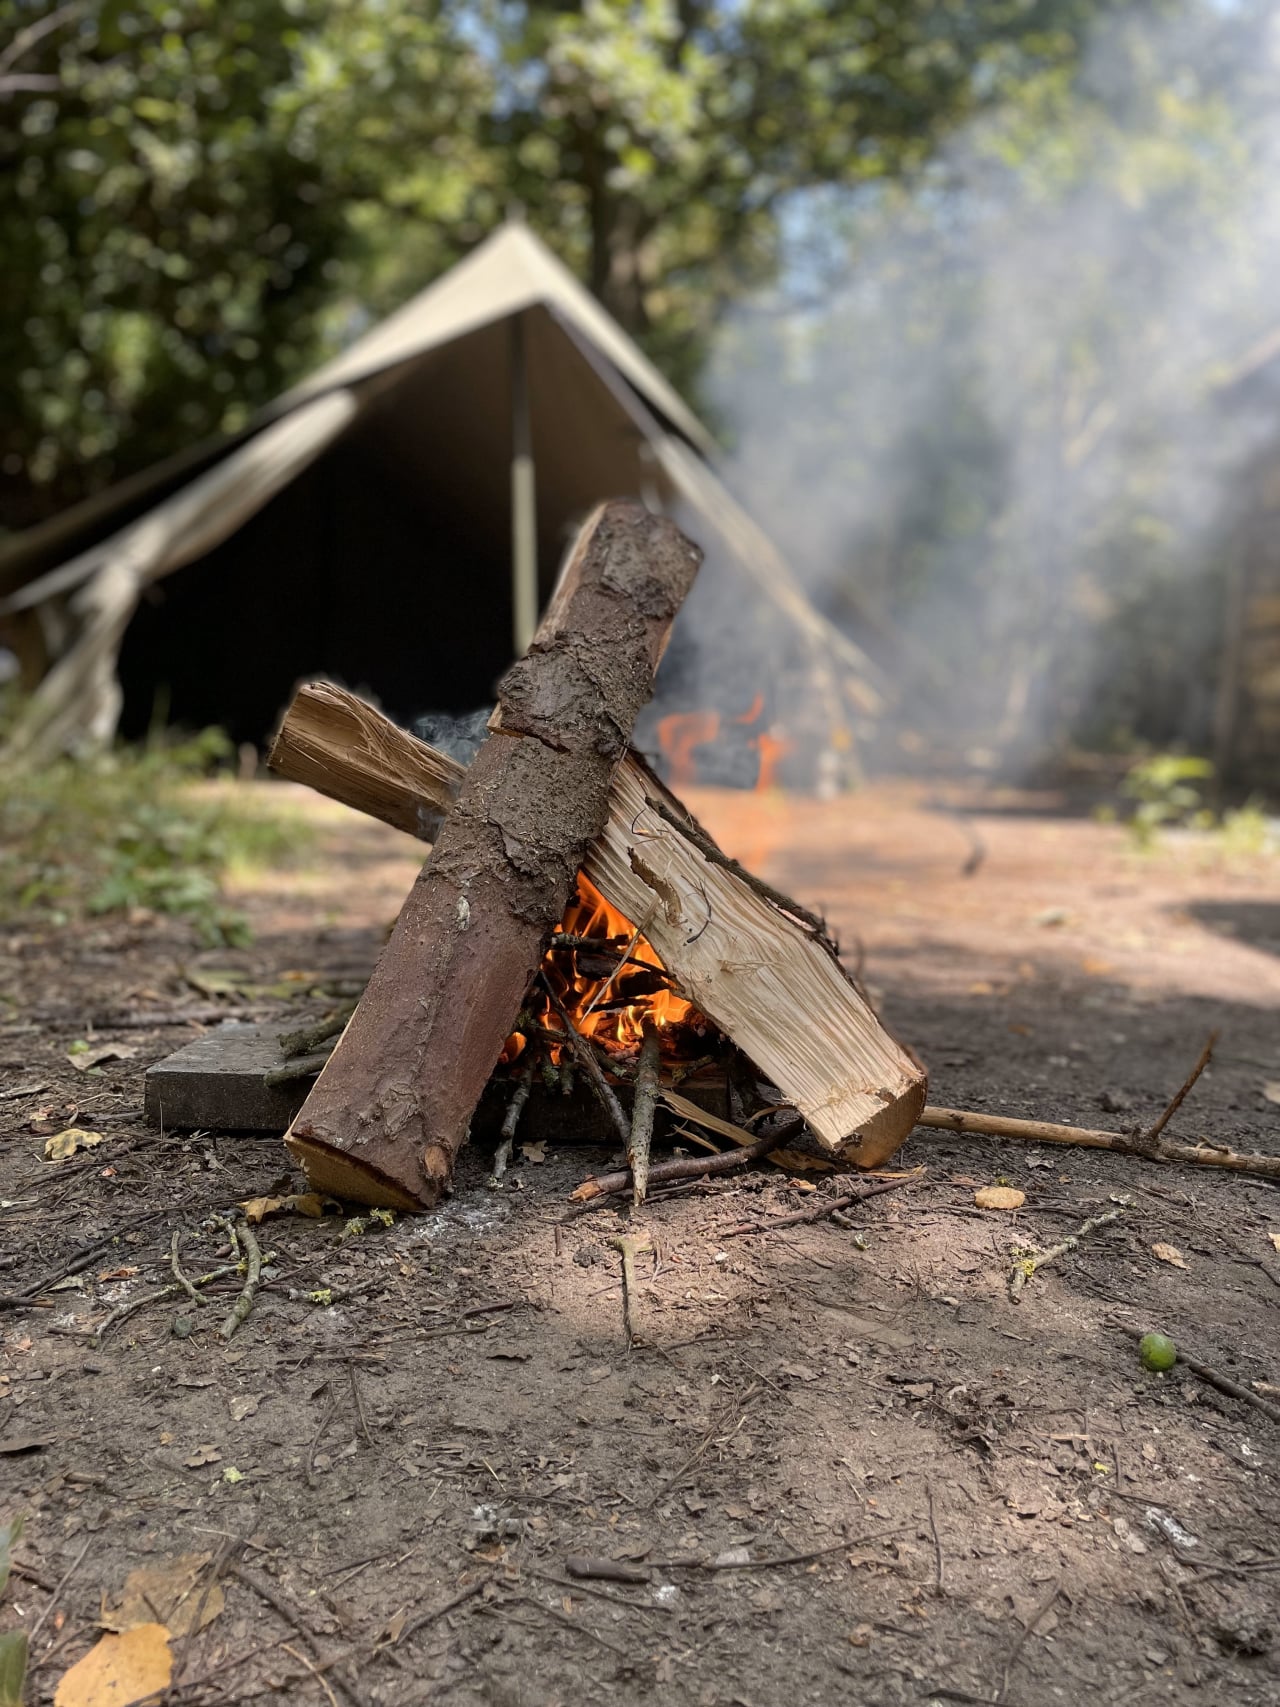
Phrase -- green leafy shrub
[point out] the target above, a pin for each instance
(126, 828)
(1166, 790)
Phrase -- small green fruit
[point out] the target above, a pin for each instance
(1157, 1352)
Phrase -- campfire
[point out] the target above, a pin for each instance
(575, 929)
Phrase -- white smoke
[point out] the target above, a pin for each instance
(996, 421)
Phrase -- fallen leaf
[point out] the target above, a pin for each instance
(999, 1197)
(65, 1144)
(83, 1059)
(310, 1203)
(119, 1670)
(732, 1556)
(244, 1405)
(1271, 1090)
(207, 1454)
(125, 1273)
(170, 1590)
(1168, 1253)
(1275, 1240)
(535, 1151)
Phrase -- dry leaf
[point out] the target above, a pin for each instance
(206, 1454)
(244, 1405)
(1275, 1239)
(535, 1151)
(999, 1197)
(299, 1203)
(83, 1059)
(1169, 1254)
(1271, 1090)
(171, 1590)
(119, 1670)
(65, 1144)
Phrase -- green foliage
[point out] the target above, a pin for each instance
(127, 829)
(13, 1645)
(198, 196)
(1165, 787)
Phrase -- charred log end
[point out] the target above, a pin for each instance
(339, 1174)
(876, 1141)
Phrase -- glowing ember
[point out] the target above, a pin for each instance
(608, 999)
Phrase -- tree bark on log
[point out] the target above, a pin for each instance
(389, 1113)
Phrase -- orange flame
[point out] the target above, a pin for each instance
(678, 736)
(607, 999)
(773, 749)
(757, 706)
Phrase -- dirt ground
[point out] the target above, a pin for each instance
(939, 1494)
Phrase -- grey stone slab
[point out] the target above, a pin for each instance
(215, 1084)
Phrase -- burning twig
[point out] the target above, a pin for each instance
(691, 1167)
(1024, 1267)
(646, 1101)
(586, 1057)
(609, 982)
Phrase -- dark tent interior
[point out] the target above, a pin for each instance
(386, 565)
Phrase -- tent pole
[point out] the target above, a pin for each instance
(524, 514)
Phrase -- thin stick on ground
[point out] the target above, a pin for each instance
(63, 1580)
(690, 1167)
(1176, 1101)
(75, 1263)
(1028, 1630)
(178, 1275)
(587, 1059)
(1204, 1154)
(828, 1206)
(239, 1312)
(131, 1306)
(1024, 1267)
(515, 1108)
(1215, 1378)
(630, 1245)
(937, 1544)
(643, 1109)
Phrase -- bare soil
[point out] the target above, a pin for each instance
(1002, 1504)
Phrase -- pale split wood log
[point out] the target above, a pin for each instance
(773, 987)
(387, 1116)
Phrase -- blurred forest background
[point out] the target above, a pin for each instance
(978, 294)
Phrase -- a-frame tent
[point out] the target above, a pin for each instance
(393, 522)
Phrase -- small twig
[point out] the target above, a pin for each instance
(643, 1109)
(300, 1067)
(425, 1618)
(317, 1437)
(586, 1056)
(131, 1306)
(827, 1206)
(1223, 1383)
(63, 1580)
(630, 1245)
(690, 1167)
(239, 1313)
(1028, 1629)
(319, 1676)
(75, 1264)
(515, 1108)
(178, 1275)
(308, 1038)
(1024, 1267)
(355, 1394)
(782, 1558)
(281, 1608)
(1176, 1101)
(937, 1544)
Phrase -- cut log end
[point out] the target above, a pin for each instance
(339, 1173)
(887, 1131)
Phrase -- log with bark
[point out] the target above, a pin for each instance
(387, 1116)
(767, 978)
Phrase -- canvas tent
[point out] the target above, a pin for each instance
(392, 522)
